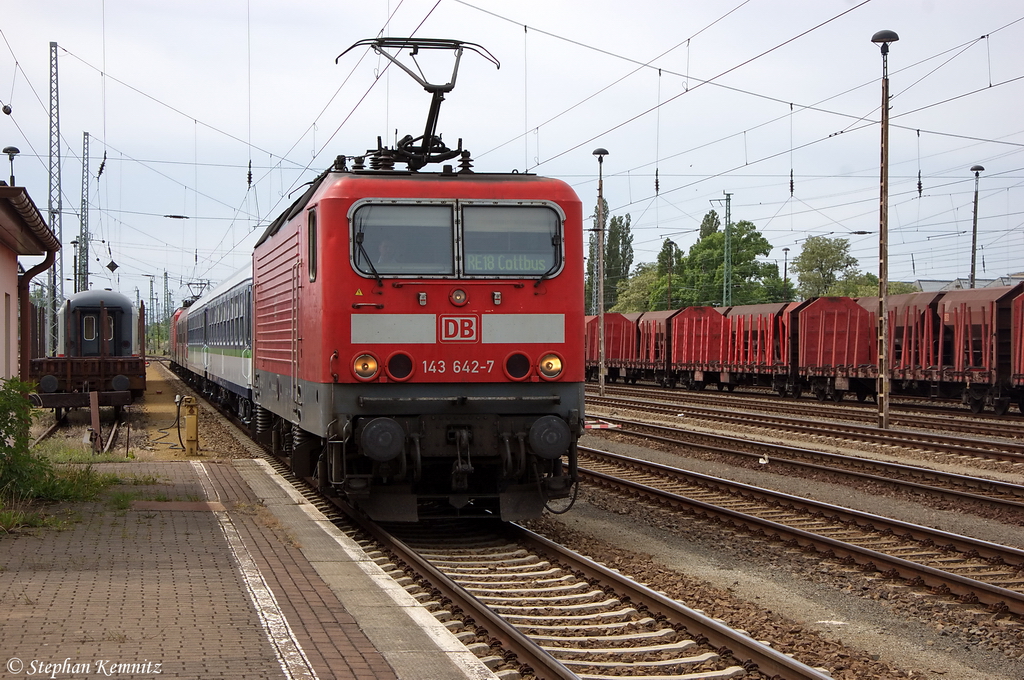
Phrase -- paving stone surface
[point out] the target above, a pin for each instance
(157, 592)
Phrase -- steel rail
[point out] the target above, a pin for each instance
(776, 454)
(862, 520)
(968, 590)
(1006, 451)
(910, 413)
(759, 657)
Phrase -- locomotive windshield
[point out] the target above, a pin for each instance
(510, 240)
(490, 241)
(404, 239)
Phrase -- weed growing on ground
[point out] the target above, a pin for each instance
(28, 476)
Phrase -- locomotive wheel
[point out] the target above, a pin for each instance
(977, 404)
(1002, 406)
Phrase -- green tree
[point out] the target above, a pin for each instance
(665, 292)
(703, 269)
(822, 263)
(775, 289)
(636, 293)
(710, 224)
(865, 284)
(590, 282)
(618, 257)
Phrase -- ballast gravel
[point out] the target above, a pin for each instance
(856, 624)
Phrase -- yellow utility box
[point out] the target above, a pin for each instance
(190, 411)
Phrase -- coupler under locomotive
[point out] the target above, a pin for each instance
(408, 468)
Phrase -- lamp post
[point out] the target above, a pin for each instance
(11, 152)
(600, 153)
(883, 38)
(977, 170)
(785, 264)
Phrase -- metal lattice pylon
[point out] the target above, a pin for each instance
(82, 265)
(56, 279)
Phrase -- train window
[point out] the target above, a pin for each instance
(110, 326)
(89, 327)
(510, 240)
(311, 244)
(403, 239)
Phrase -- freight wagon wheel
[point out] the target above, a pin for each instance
(862, 395)
(1002, 406)
(838, 395)
(1020, 405)
(977, 404)
(820, 393)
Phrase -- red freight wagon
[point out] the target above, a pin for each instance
(759, 346)
(1017, 343)
(914, 330)
(620, 345)
(590, 347)
(976, 342)
(699, 345)
(654, 329)
(837, 347)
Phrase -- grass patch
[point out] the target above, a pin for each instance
(140, 480)
(29, 477)
(122, 500)
(25, 516)
(63, 451)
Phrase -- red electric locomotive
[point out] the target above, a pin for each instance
(418, 336)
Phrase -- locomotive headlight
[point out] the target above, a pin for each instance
(550, 366)
(458, 297)
(365, 366)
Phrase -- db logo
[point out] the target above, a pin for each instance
(458, 328)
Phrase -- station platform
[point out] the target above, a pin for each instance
(210, 568)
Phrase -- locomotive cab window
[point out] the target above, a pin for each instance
(424, 239)
(403, 239)
(510, 241)
(311, 244)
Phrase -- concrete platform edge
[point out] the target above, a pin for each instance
(416, 644)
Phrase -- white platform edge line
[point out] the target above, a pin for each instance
(290, 655)
(442, 637)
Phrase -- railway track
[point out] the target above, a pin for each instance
(906, 415)
(971, 570)
(595, 622)
(1004, 450)
(916, 480)
(653, 636)
(520, 600)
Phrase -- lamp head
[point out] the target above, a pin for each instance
(600, 152)
(883, 38)
(976, 169)
(11, 151)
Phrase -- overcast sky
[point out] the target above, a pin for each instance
(714, 97)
